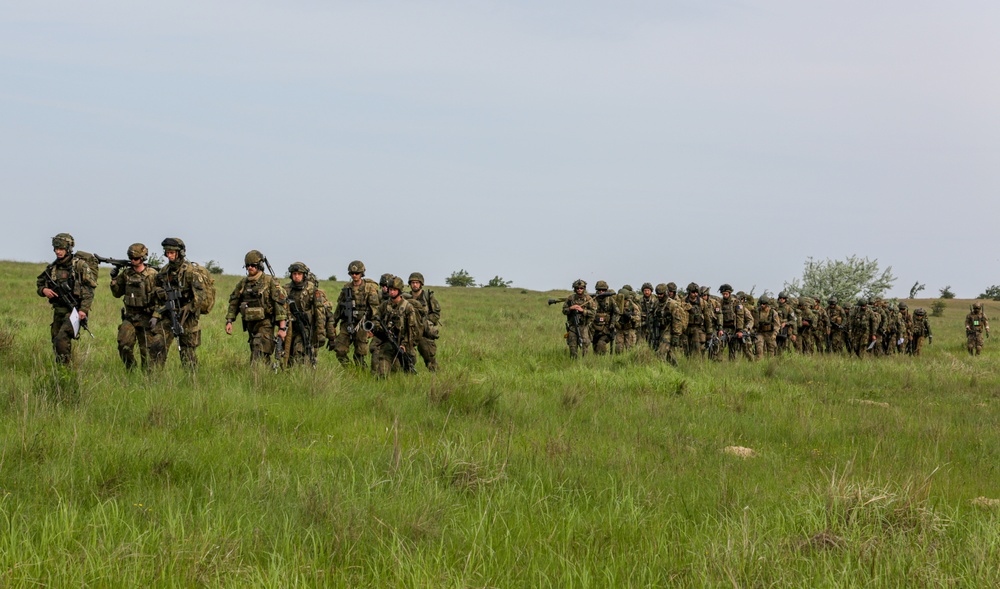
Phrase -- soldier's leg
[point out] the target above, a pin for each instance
(62, 337)
(342, 345)
(360, 347)
(261, 340)
(428, 351)
(666, 353)
(601, 341)
(126, 343)
(190, 340)
(383, 360)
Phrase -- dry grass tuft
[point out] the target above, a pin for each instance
(986, 502)
(740, 451)
(869, 402)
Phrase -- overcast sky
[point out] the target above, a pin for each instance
(628, 141)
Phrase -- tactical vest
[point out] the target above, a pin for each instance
(765, 322)
(728, 312)
(696, 316)
(252, 305)
(138, 290)
(977, 321)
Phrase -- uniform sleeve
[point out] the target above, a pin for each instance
(234, 302)
(118, 284)
(413, 328)
(198, 293)
(278, 302)
(434, 309)
(88, 282)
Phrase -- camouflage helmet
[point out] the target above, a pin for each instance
(627, 287)
(396, 283)
(920, 311)
(298, 267)
(137, 251)
(705, 291)
(902, 306)
(765, 300)
(805, 301)
(977, 306)
(416, 276)
(63, 241)
(661, 289)
(692, 287)
(741, 295)
(671, 287)
(356, 267)
(173, 244)
(601, 285)
(646, 285)
(783, 295)
(579, 283)
(862, 302)
(832, 301)
(725, 287)
(385, 279)
(253, 258)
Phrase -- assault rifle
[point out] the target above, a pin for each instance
(300, 323)
(386, 335)
(349, 309)
(173, 309)
(716, 343)
(596, 295)
(65, 293)
(750, 340)
(574, 317)
(113, 261)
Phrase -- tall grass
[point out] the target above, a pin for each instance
(511, 467)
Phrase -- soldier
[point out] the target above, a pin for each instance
(700, 321)
(383, 282)
(605, 319)
(821, 328)
(428, 318)
(629, 321)
(735, 321)
(68, 283)
(358, 302)
(579, 310)
(789, 324)
(396, 322)
(308, 308)
(260, 302)
(864, 324)
(906, 327)
(838, 339)
(136, 286)
(920, 329)
(178, 284)
(669, 321)
(805, 343)
(767, 322)
(647, 304)
(975, 325)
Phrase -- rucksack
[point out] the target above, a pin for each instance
(206, 277)
(90, 260)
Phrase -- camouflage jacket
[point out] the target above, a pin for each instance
(586, 302)
(426, 304)
(976, 322)
(400, 320)
(734, 315)
(631, 314)
(181, 276)
(766, 320)
(364, 298)
(700, 314)
(258, 298)
(136, 289)
(75, 274)
(307, 302)
(606, 315)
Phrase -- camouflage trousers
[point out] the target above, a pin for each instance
(805, 343)
(62, 335)
(343, 342)
(915, 344)
(188, 342)
(838, 340)
(767, 344)
(577, 345)
(626, 339)
(602, 341)
(665, 352)
(694, 341)
(295, 347)
(388, 359)
(134, 331)
(974, 342)
(860, 343)
(428, 351)
(260, 336)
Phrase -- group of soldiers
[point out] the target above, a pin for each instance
(735, 325)
(285, 324)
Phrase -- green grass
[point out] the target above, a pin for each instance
(511, 467)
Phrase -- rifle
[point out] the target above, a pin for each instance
(113, 261)
(65, 293)
(279, 353)
(300, 322)
(173, 308)
(554, 301)
(385, 334)
(750, 339)
(349, 309)
(575, 320)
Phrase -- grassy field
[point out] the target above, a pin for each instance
(511, 467)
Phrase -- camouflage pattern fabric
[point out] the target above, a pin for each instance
(138, 293)
(76, 274)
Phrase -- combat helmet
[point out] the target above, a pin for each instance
(661, 289)
(765, 300)
(646, 285)
(63, 241)
(725, 287)
(692, 287)
(833, 301)
(137, 251)
(920, 312)
(579, 283)
(977, 306)
(396, 283)
(705, 291)
(298, 267)
(783, 295)
(385, 280)
(174, 244)
(671, 287)
(356, 267)
(627, 288)
(253, 258)
(601, 285)
(416, 276)
(902, 306)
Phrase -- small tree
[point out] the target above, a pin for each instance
(213, 267)
(916, 288)
(460, 278)
(332, 278)
(992, 293)
(937, 308)
(155, 261)
(497, 282)
(844, 279)
(946, 293)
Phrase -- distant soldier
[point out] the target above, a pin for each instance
(383, 283)
(976, 325)
(357, 303)
(789, 323)
(821, 328)
(260, 302)
(429, 318)
(396, 321)
(68, 283)
(919, 330)
(668, 324)
(700, 320)
(767, 322)
(178, 283)
(307, 323)
(838, 338)
(605, 319)
(629, 319)
(864, 324)
(735, 322)
(136, 287)
(579, 310)
(804, 341)
(647, 304)
(906, 327)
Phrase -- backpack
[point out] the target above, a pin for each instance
(89, 259)
(206, 277)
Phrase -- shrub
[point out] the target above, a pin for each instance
(946, 293)
(498, 282)
(213, 267)
(937, 308)
(460, 278)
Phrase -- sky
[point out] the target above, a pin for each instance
(540, 142)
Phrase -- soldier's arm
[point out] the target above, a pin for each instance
(198, 292)
(234, 302)
(434, 309)
(279, 302)
(118, 285)
(88, 283)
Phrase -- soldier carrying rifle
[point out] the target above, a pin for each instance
(68, 283)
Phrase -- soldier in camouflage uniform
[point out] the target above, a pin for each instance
(579, 310)
(906, 326)
(398, 319)
(789, 324)
(373, 345)
(179, 276)
(72, 276)
(864, 324)
(919, 329)
(767, 322)
(358, 302)
(838, 327)
(647, 304)
(605, 319)
(668, 322)
(821, 329)
(428, 317)
(629, 321)
(700, 321)
(307, 322)
(734, 322)
(136, 286)
(976, 324)
(260, 302)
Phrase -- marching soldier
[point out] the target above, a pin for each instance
(136, 287)
(260, 302)
(428, 317)
(68, 283)
(308, 308)
(579, 310)
(396, 322)
(976, 325)
(358, 302)
(178, 285)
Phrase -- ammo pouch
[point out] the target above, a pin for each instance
(430, 330)
(251, 313)
(601, 320)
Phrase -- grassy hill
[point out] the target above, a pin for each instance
(511, 467)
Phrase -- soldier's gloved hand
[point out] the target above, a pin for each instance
(114, 272)
(153, 322)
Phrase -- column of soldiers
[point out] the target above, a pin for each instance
(285, 324)
(736, 326)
